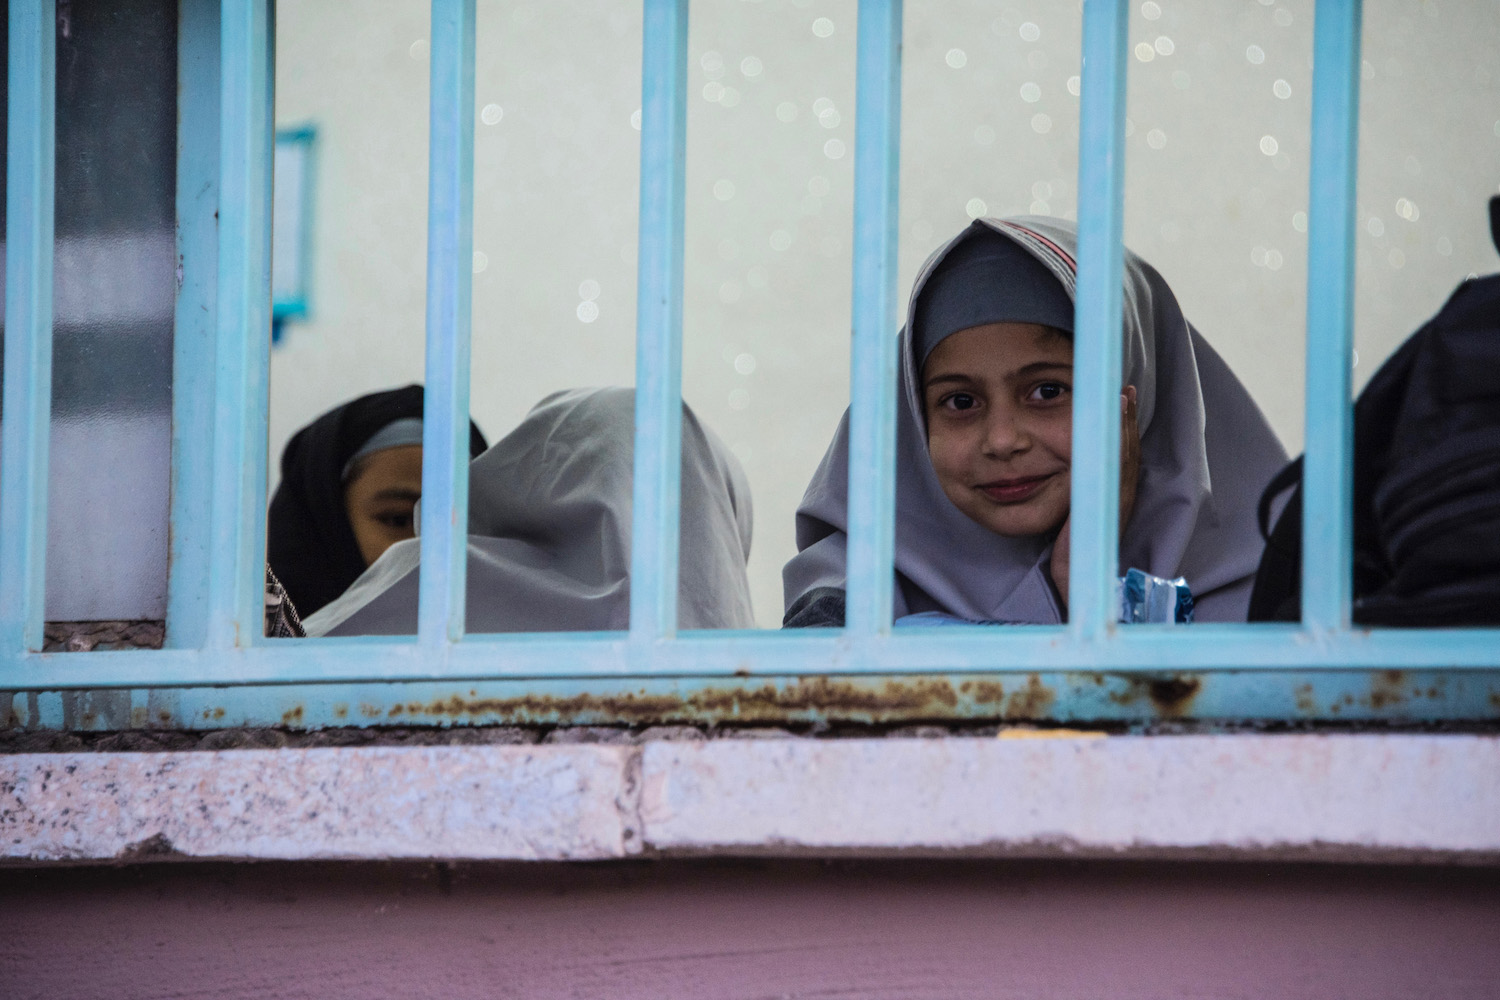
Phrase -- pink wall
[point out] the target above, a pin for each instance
(750, 930)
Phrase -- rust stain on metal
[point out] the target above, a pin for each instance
(1306, 703)
(340, 711)
(1031, 701)
(1170, 696)
(833, 696)
(292, 717)
(983, 692)
(1387, 689)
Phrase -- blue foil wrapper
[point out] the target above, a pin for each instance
(1147, 599)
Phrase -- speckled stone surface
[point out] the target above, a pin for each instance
(1266, 796)
(1346, 797)
(522, 803)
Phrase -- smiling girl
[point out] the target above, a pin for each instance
(984, 445)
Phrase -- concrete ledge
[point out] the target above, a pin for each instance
(1401, 797)
(522, 803)
(1344, 797)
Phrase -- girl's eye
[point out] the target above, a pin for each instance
(396, 522)
(1048, 392)
(960, 401)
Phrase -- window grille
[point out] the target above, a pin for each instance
(216, 669)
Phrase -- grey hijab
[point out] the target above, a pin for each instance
(1206, 454)
(549, 531)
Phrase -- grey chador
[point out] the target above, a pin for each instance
(1206, 454)
(549, 531)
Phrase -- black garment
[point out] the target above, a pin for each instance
(821, 607)
(309, 542)
(1426, 480)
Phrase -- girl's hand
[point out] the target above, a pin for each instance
(1130, 473)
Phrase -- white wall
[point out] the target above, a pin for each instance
(769, 209)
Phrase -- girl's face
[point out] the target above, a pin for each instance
(381, 496)
(999, 406)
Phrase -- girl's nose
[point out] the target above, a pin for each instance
(1004, 435)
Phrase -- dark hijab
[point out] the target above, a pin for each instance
(309, 542)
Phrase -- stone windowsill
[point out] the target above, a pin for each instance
(1340, 797)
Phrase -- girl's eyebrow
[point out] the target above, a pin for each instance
(1039, 366)
(397, 493)
(954, 377)
(1036, 367)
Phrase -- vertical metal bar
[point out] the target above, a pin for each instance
(1094, 554)
(450, 275)
(658, 350)
(1327, 541)
(872, 415)
(195, 322)
(25, 426)
(243, 336)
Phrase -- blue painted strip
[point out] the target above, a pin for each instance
(1064, 697)
(243, 339)
(872, 378)
(1327, 539)
(1022, 649)
(1094, 553)
(296, 306)
(450, 273)
(196, 323)
(25, 426)
(658, 351)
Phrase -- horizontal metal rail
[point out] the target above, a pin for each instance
(1258, 696)
(1139, 649)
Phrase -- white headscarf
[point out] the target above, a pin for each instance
(1206, 454)
(549, 531)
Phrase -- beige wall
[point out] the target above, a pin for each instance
(770, 210)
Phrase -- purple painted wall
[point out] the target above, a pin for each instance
(750, 930)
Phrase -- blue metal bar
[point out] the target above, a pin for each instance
(658, 351)
(25, 426)
(1141, 651)
(243, 338)
(1089, 698)
(872, 412)
(450, 273)
(1095, 546)
(195, 323)
(1327, 540)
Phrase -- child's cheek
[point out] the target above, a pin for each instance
(949, 453)
(1057, 434)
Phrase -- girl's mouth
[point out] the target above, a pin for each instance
(1013, 490)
